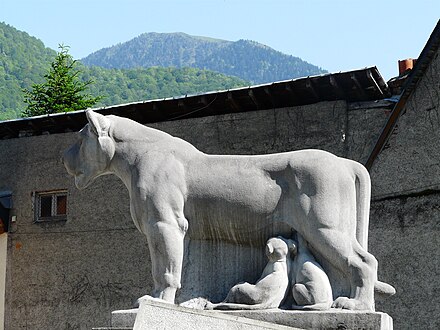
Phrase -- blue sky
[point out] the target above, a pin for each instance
(335, 35)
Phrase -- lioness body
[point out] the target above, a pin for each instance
(275, 192)
(175, 189)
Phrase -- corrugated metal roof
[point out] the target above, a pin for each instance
(353, 86)
(413, 79)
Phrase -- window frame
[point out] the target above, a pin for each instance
(54, 194)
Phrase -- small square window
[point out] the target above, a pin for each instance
(50, 206)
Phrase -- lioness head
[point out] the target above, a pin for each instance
(92, 153)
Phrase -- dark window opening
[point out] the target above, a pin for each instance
(5, 207)
(62, 205)
(50, 206)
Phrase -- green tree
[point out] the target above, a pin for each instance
(62, 91)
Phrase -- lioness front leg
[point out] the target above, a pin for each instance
(165, 241)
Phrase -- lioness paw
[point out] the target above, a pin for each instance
(349, 303)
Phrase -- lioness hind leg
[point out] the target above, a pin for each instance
(363, 276)
(350, 258)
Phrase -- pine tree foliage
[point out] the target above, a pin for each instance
(62, 91)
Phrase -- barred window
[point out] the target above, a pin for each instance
(50, 205)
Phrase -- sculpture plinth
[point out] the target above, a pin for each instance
(156, 315)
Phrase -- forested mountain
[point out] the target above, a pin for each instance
(24, 60)
(246, 59)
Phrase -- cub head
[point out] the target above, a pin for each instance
(277, 249)
(92, 153)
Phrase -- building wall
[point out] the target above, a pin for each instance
(60, 275)
(71, 275)
(405, 208)
(3, 258)
(413, 151)
(404, 236)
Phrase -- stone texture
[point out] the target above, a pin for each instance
(323, 320)
(157, 315)
(409, 162)
(365, 122)
(409, 224)
(124, 318)
(322, 125)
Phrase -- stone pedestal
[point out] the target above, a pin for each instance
(158, 315)
(331, 319)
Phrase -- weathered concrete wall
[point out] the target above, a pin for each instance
(365, 122)
(411, 161)
(70, 275)
(3, 262)
(406, 216)
(320, 125)
(405, 237)
(67, 275)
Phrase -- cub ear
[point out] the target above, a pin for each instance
(269, 247)
(293, 249)
(99, 124)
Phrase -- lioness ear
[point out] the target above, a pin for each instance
(98, 123)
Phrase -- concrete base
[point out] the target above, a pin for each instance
(153, 314)
(124, 318)
(331, 319)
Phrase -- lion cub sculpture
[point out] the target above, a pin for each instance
(311, 287)
(272, 287)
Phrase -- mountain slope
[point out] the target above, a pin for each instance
(246, 59)
(24, 60)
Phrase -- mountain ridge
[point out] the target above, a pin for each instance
(246, 59)
(24, 60)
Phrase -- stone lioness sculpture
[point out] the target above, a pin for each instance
(271, 289)
(174, 189)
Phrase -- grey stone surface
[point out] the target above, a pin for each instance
(174, 189)
(124, 318)
(113, 328)
(412, 153)
(322, 125)
(158, 315)
(406, 195)
(325, 320)
(364, 124)
(155, 314)
(394, 223)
